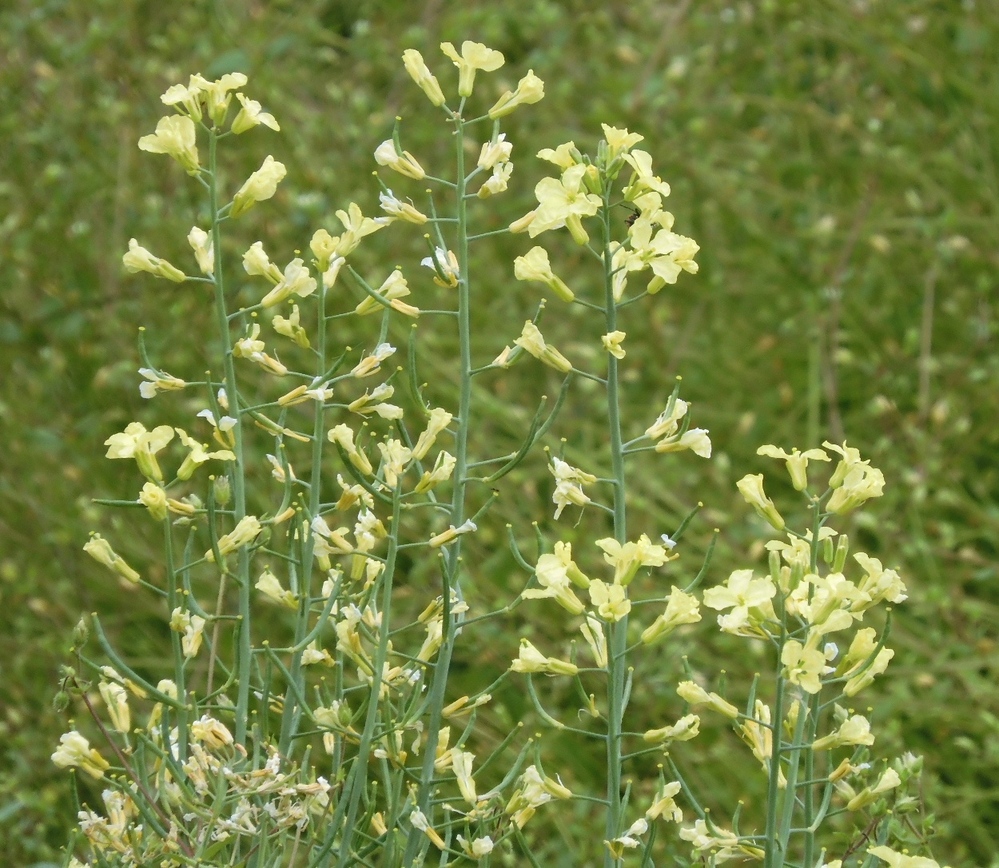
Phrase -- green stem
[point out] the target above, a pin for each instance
(292, 708)
(354, 792)
(451, 567)
(773, 858)
(173, 602)
(617, 639)
(244, 648)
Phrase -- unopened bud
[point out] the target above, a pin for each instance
(222, 490)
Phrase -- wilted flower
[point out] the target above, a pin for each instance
(74, 751)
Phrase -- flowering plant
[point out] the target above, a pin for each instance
(308, 714)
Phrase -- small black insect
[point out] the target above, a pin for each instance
(629, 221)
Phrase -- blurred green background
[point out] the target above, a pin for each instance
(837, 162)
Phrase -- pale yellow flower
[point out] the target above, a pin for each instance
(396, 209)
(564, 202)
(902, 860)
(198, 454)
(803, 665)
(438, 422)
(564, 156)
(612, 343)
(552, 573)
(343, 436)
(74, 751)
(626, 558)
(192, 627)
(474, 56)
(569, 482)
(534, 266)
(619, 141)
(668, 422)
(610, 601)
(247, 529)
(530, 659)
(402, 162)
(494, 152)
(855, 730)
(216, 95)
(142, 445)
(420, 73)
(291, 327)
(158, 381)
(751, 489)
(686, 728)
(442, 470)
(888, 781)
(533, 342)
(270, 587)
(694, 439)
(663, 804)
(452, 533)
(204, 252)
(154, 498)
(251, 115)
(139, 259)
(797, 462)
(211, 733)
(356, 226)
(497, 181)
(747, 596)
(175, 136)
(681, 608)
(261, 185)
(395, 459)
(696, 695)
(392, 290)
(116, 700)
(296, 280)
(445, 266)
(530, 89)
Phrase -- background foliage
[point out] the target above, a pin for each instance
(836, 162)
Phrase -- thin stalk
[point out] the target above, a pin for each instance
(451, 567)
(357, 783)
(292, 709)
(617, 638)
(244, 648)
(179, 674)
